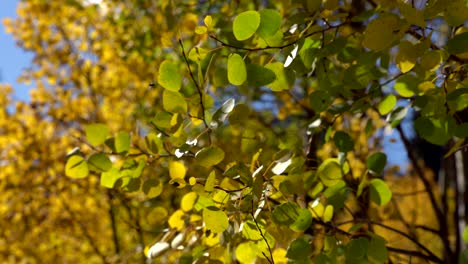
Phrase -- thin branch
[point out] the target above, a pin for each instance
(275, 47)
(199, 89)
(270, 260)
(413, 253)
(427, 185)
(393, 230)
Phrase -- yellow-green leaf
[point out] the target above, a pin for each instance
(215, 219)
(381, 33)
(330, 172)
(122, 142)
(96, 134)
(245, 25)
(237, 72)
(387, 104)
(209, 156)
(169, 76)
(246, 253)
(99, 162)
(76, 167)
(174, 102)
(379, 192)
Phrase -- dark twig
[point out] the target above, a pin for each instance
(199, 89)
(270, 260)
(427, 185)
(275, 47)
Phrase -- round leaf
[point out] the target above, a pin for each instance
(76, 167)
(100, 162)
(381, 33)
(215, 219)
(357, 248)
(259, 76)
(329, 172)
(376, 163)
(387, 104)
(209, 156)
(237, 73)
(270, 22)
(169, 76)
(122, 142)
(303, 221)
(343, 141)
(299, 249)
(96, 134)
(174, 102)
(379, 192)
(245, 25)
(246, 252)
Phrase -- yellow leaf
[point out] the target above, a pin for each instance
(208, 21)
(176, 221)
(188, 201)
(279, 256)
(381, 33)
(201, 30)
(177, 170)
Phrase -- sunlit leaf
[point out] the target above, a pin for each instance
(96, 134)
(109, 177)
(237, 72)
(330, 172)
(246, 24)
(169, 76)
(188, 201)
(122, 142)
(379, 192)
(152, 188)
(176, 220)
(99, 162)
(387, 104)
(246, 253)
(209, 156)
(76, 167)
(215, 219)
(174, 102)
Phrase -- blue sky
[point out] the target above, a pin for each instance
(12, 58)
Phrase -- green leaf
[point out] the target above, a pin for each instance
(387, 104)
(330, 172)
(76, 167)
(99, 162)
(376, 163)
(328, 213)
(197, 54)
(237, 73)
(379, 192)
(284, 78)
(109, 177)
(357, 248)
(169, 76)
(303, 220)
(245, 25)
(436, 131)
(458, 44)
(343, 141)
(406, 85)
(259, 76)
(122, 142)
(215, 219)
(377, 251)
(465, 235)
(381, 33)
(174, 102)
(320, 101)
(299, 249)
(96, 134)
(209, 156)
(270, 22)
(286, 213)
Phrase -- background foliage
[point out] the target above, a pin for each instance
(209, 132)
